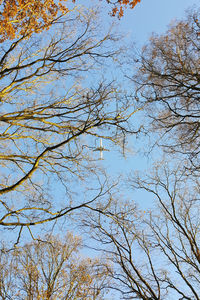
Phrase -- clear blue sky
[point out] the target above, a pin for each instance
(153, 16)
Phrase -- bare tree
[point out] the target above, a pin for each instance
(155, 253)
(167, 81)
(51, 115)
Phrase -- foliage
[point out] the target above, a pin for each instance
(23, 17)
(120, 5)
(51, 269)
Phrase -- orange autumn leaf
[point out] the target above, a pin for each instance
(120, 5)
(24, 17)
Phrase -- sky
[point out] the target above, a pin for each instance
(153, 16)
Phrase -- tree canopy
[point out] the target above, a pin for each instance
(58, 101)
